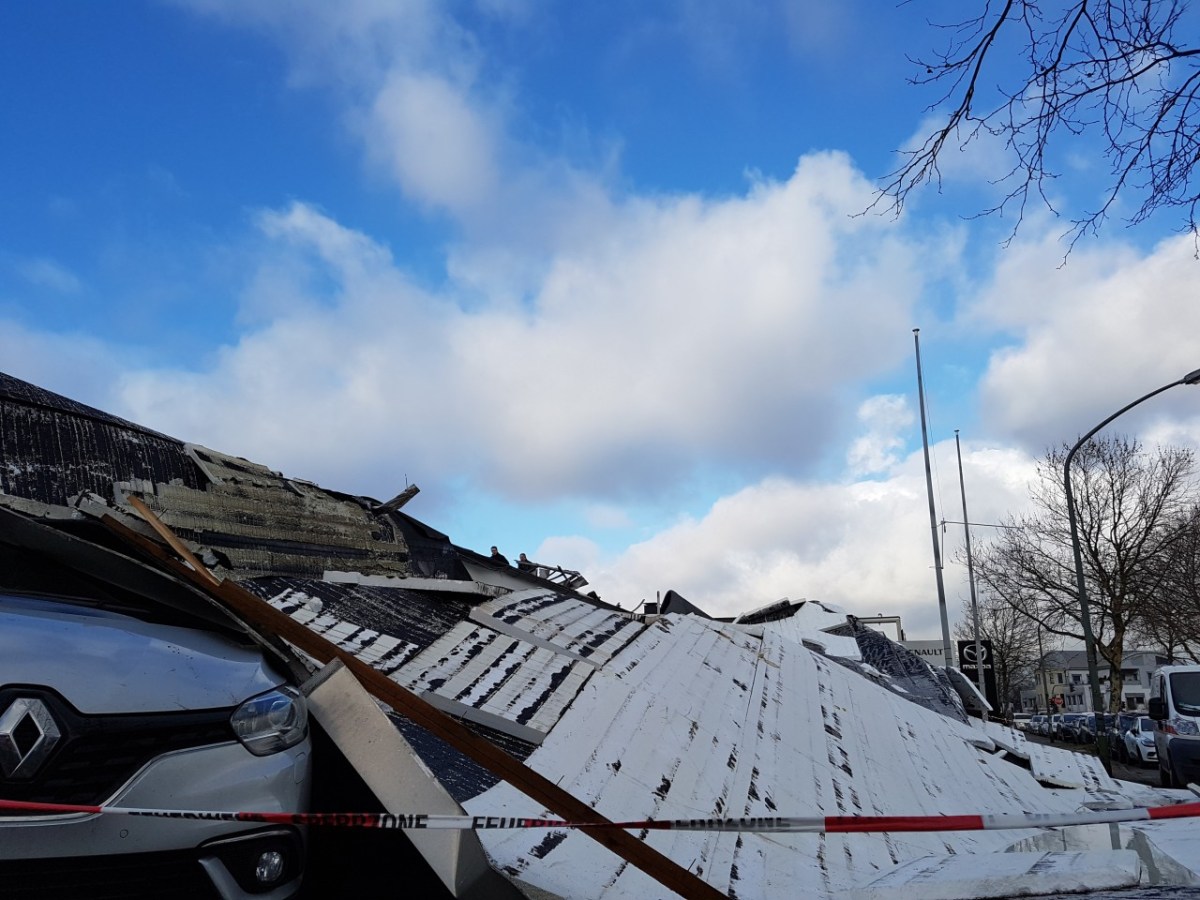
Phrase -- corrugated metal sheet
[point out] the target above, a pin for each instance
(373, 623)
(516, 681)
(386, 627)
(696, 719)
(1050, 765)
(569, 625)
(487, 676)
(808, 624)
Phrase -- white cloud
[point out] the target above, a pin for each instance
(413, 87)
(1089, 337)
(724, 331)
(887, 420)
(437, 145)
(866, 546)
(76, 365)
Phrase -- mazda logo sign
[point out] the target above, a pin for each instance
(28, 734)
(971, 658)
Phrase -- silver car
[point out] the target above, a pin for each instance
(105, 708)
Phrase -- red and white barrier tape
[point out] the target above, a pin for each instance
(826, 824)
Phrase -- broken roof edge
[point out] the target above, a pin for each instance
(416, 583)
(483, 569)
(35, 397)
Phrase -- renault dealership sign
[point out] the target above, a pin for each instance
(933, 652)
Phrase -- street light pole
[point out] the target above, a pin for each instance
(1089, 639)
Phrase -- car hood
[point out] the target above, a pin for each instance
(106, 662)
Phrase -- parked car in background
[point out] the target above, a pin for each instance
(1068, 729)
(1117, 726)
(1020, 721)
(1085, 728)
(1035, 723)
(1054, 728)
(109, 700)
(1139, 742)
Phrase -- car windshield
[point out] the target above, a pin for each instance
(1146, 724)
(1185, 691)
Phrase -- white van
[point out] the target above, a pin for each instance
(1175, 707)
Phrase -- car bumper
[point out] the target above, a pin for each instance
(1183, 756)
(68, 850)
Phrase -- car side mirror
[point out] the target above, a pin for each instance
(1158, 709)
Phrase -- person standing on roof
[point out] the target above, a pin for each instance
(499, 558)
(525, 564)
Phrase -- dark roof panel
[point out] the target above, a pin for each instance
(53, 449)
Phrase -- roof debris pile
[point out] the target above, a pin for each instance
(793, 710)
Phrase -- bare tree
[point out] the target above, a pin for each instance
(1014, 637)
(1128, 504)
(1033, 74)
(1172, 621)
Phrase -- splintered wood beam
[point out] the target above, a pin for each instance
(261, 616)
(398, 501)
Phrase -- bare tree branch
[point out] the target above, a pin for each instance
(1116, 69)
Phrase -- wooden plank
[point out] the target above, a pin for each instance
(171, 538)
(263, 617)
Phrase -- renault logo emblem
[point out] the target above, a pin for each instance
(28, 733)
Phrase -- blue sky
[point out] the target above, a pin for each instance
(594, 276)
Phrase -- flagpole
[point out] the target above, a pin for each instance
(937, 552)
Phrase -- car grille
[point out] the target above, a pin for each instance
(136, 876)
(98, 754)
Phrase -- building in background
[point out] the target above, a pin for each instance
(1062, 677)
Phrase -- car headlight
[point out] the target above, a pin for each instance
(1184, 726)
(1146, 740)
(271, 722)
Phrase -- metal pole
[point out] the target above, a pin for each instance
(1085, 611)
(937, 553)
(1042, 666)
(962, 489)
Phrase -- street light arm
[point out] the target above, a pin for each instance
(1190, 378)
(1085, 612)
